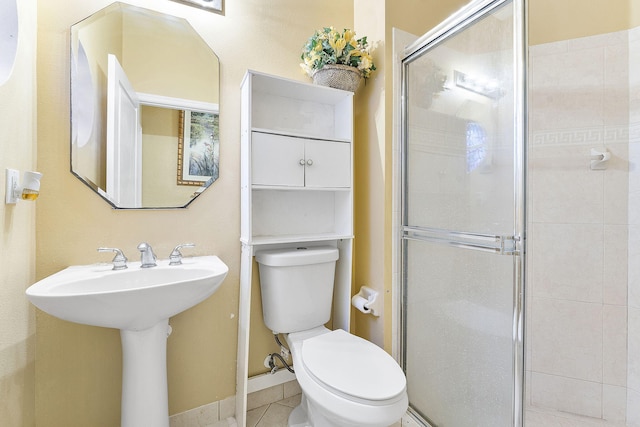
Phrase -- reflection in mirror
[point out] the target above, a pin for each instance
(144, 107)
(8, 37)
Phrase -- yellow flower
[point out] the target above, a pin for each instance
(348, 36)
(365, 62)
(338, 45)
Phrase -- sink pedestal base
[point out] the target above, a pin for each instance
(144, 377)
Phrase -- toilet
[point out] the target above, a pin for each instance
(346, 381)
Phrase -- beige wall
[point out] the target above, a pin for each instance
(79, 367)
(553, 20)
(160, 133)
(187, 69)
(17, 231)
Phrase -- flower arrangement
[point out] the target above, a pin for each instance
(328, 46)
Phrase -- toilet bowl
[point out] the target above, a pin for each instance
(346, 381)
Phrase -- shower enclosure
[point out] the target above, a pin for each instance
(485, 342)
(462, 231)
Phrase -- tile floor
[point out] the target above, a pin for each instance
(276, 414)
(273, 414)
(546, 418)
(271, 408)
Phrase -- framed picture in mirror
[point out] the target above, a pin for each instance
(198, 147)
(216, 6)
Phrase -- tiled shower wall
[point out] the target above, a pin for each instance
(633, 372)
(579, 228)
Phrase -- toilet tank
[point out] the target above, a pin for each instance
(297, 287)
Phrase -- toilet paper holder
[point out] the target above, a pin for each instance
(365, 301)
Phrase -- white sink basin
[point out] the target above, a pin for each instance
(132, 299)
(139, 302)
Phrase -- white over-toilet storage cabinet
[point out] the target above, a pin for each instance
(296, 189)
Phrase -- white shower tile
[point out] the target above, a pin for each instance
(599, 40)
(634, 184)
(616, 184)
(633, 408)
(566, 190)
(584, 231)
(567, 110)
(614, 345)
(615, 107)
(567, 339)
(527, 389)
(548, 49)
(572, 258)
(634, 266)
(634, 34)
(614, 403)
(567, 394)
(633, 351)
(634, 101)
(634, 56)
(615, 280)
(616, 85)
(584, 68)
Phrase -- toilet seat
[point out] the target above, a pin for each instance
(335, 369)
(352, 366)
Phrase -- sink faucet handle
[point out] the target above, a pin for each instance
(147, 256)
(176, 256)
(119, 261)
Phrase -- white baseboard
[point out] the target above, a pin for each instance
(261, 382)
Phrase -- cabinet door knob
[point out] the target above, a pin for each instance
(309, 162)
(301, 162)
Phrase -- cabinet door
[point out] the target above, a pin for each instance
(276, 160)
(328, 164)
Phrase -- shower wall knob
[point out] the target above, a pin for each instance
(599, 159)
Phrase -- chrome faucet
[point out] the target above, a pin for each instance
(147, 257)
(119, 261)
(176, 256)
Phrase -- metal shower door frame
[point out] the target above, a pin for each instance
(505, 245)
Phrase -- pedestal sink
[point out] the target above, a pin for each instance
(139, 302)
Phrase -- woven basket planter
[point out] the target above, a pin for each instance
(338, 76)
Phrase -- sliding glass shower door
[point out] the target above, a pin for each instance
(462, 235)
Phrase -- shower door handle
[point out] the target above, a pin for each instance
(499, 244)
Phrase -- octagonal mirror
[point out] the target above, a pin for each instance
(144, 108)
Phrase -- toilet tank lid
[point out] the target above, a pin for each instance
(301, 255)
